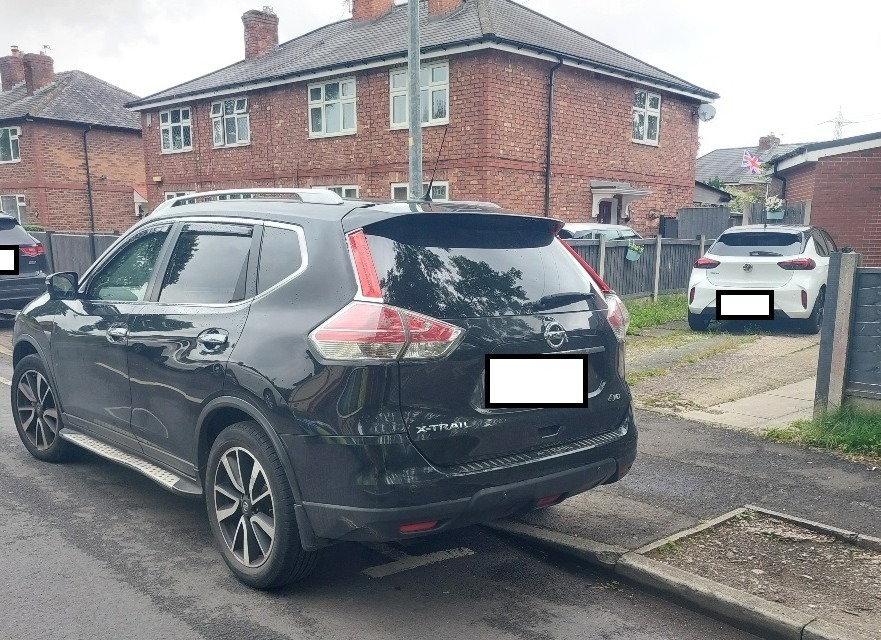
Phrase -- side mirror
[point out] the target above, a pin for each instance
(62, 286)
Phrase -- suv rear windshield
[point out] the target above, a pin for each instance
(759, 243)
(468, 266)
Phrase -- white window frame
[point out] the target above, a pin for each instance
(14, 136)
(435, 185)
(21, 204)
(342, 101)
(175, 194)
(219, 116)
(401, 78)
(235, 196)
(646, 112)
(168, 125)
(345, 191)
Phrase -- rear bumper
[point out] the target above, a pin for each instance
(787, 300)
(17, 291)
(385, 494)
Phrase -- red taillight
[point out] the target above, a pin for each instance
(804, 299)
(593, 274)
(364, 267)
(369, 331)
(691, 295)
(416, 527)
(32, 251)
(706, 263)
(799, 264)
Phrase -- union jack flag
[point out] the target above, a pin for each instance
(751, 162)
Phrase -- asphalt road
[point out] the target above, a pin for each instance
(93, 550)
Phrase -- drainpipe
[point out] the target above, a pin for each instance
(781, 179)
(89, 194)
(550, 134)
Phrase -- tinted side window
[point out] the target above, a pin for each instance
(126, 276)
(829, 241)
(279, 256)
(820, 244)
(209, 265)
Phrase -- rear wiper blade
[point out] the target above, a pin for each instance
(770, 254)
(561, 299)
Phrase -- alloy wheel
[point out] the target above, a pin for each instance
(244, 507)
(37, 410)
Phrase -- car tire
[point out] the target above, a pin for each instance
(698, 322)
(251, 509)
(36, 414)
(814, 322)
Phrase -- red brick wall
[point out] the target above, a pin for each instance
(52, 176)
(495, 146)
(847, 201)
(800, 183)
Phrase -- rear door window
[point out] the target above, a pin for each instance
(464, 266)
(209, 265)
(759, 243)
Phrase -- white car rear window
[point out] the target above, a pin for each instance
(760, 243)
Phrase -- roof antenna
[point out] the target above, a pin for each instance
(427, 196)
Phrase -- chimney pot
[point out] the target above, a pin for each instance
(768, 142)
(261, 32)
(367, 10)
(443, 7)
(39, 70)
(11, 69)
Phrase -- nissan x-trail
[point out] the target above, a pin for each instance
(316, 368)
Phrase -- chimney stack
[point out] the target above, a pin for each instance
(367, 10)
(261, 32)
(11, 69)
(39, 70)
(443, 7)
(768, 142)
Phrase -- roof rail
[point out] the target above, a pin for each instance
(312, 196)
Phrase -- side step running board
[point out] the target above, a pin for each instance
(163, 477)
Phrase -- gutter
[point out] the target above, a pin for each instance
(89, 193)
(550, 136)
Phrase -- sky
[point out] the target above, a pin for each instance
(780, 66)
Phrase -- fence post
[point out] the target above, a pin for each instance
(657, 278)
(602, 260)
(50, 253)
(835, 334)
(703, 241)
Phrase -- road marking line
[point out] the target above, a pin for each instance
(386, 550)
(414, 562)
(3, 380)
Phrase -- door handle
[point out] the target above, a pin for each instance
(117, 334)
(213, 338)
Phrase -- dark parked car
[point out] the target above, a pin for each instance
(316, 368)
(17, 290)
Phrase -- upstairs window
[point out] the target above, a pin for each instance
(176, 130)
(346, 192)
(646, 117)
(435, 90)
(332, 108)
(230, 122)
(9, 151)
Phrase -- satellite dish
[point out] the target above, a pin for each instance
(706, 112)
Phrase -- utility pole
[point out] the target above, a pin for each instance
(414, 94)
(840, 122)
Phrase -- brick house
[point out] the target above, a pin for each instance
(53, 127)
(840, 183)
(329, 109)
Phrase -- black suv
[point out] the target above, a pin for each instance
(316, 368)
(30, 281)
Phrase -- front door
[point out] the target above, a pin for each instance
(90, 336)
(181, 339)
(605, 216)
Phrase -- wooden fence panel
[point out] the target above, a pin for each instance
(864, 357)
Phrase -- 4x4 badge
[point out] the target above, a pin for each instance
(554, 333)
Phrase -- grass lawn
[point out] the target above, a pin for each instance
(845, 430)
(645, 313)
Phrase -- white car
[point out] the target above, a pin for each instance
(593, 231)
(793, 261)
